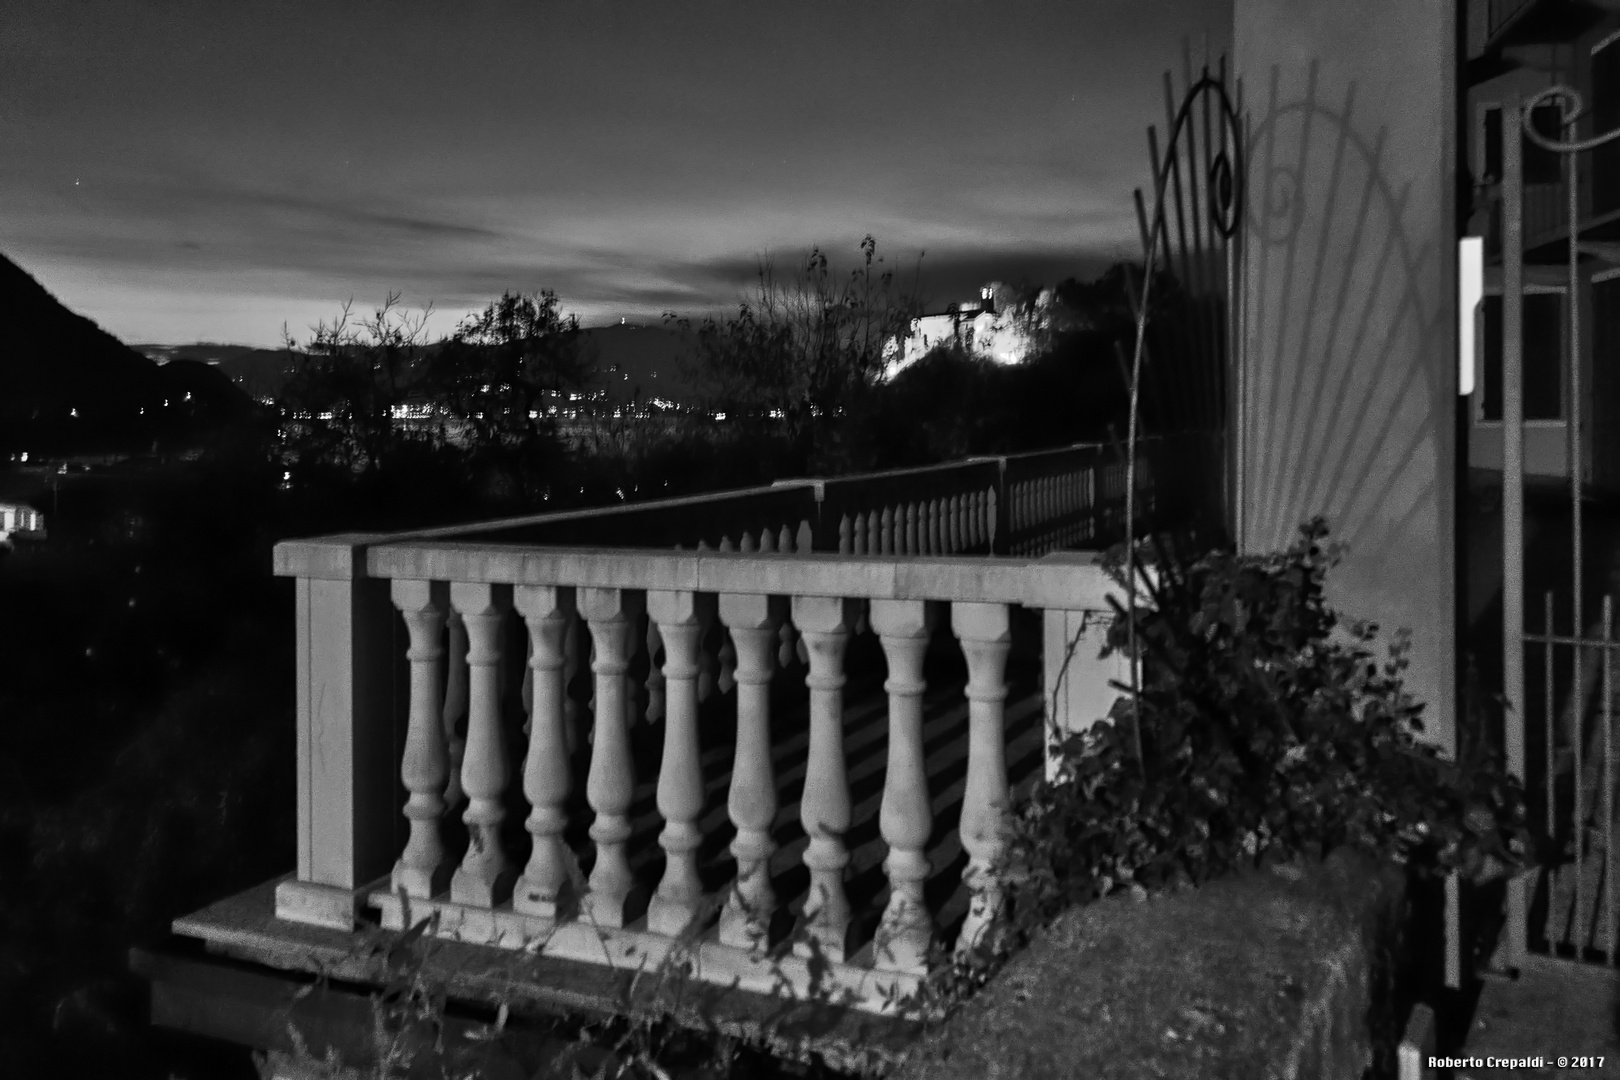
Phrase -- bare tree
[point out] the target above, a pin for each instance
(799, 351)
(339, 407)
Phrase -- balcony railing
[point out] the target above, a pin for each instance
(787, 748)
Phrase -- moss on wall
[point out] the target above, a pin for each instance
(1263, 975)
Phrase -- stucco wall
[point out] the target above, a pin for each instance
(1348, 370)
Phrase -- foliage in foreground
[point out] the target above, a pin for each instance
(1267, 732)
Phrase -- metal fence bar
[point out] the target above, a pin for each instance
(1608, 778)
(1549, 721)
(1513, 486)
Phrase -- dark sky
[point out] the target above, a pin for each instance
(212, 170)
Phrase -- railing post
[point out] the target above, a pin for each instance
(906, 815)
(1077, 681)
(485, 876)
(680, 617)
(750, 912)
(422, 870)
(614, 898)
(347, 772)
(985, 634)
(824, 624)
(1001, 516)
(547, 779)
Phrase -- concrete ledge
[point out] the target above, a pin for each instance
(312, 904)
(329, 558)
(1076, 584)
(1251, 976)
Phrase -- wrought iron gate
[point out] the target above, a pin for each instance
(1559, 643)
(1178, 374)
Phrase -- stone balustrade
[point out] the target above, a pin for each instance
(494, 843)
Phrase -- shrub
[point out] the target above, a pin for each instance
(1264, 731)
(1267, 733)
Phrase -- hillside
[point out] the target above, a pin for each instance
(260, 373)
(69, 387)
(623, 360)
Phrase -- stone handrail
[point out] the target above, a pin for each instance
(439, 610)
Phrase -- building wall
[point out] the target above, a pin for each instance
(1348, 371)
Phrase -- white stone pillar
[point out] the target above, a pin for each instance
(983, 630)
(906, 815)
(547, 778)
(422, 870)
(679, 617)
(824, 623)
(348, 759)
(614, 898)
(1076, 680)
(754, 622)
(485, 876)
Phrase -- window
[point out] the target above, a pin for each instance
(1541, 166)
(1544, 358)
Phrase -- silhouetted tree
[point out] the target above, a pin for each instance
(799, 352)
(339, 406)
(500, 375)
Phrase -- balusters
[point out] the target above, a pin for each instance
(983, 630)
(846, 536)
(757, 624)
(910, 543)
(824, 623)
(767, 542)
(888, 531)
(858, 546)
(547, 779)
(484, 877)
(613, 898)
(931, 541)
(679, 618)
(748, 546)
(455, 705)
(422, 870)
(905, 816)
(785, 543)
